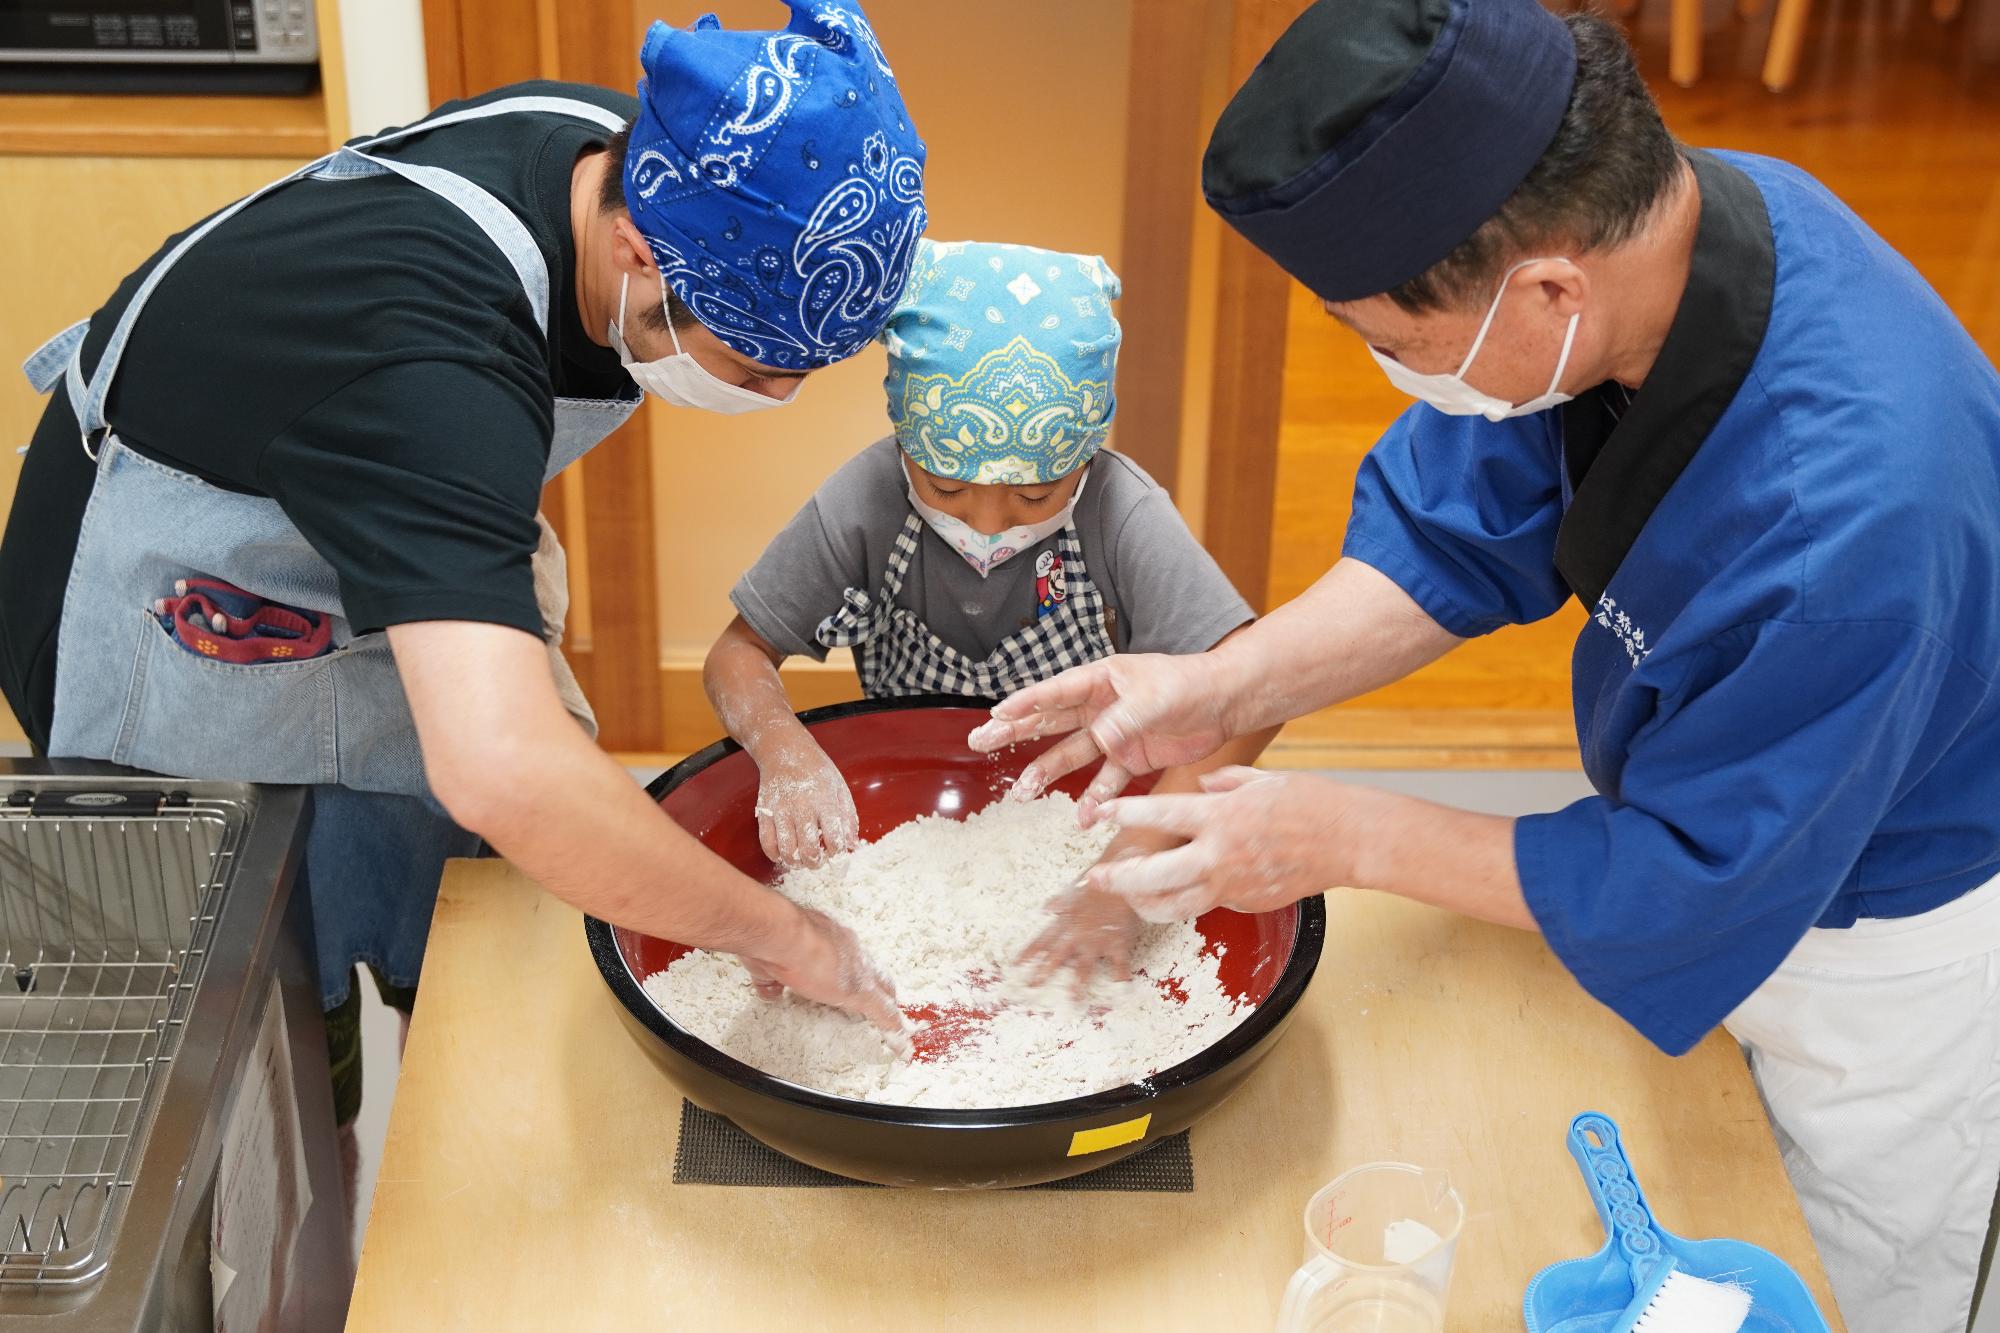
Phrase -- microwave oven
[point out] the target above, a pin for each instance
(195, 45)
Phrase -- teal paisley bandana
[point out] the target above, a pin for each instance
(1002, 360)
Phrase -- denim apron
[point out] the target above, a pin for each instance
(340, 723)
(897, 654)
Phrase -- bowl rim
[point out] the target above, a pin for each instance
(1286, 991)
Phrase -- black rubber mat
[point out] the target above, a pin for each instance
(713, 1151)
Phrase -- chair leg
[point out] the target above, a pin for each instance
(1684, 44)
(1788, 31)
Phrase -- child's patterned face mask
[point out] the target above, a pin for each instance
(986, 551)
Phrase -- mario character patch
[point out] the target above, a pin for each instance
(1050, 588)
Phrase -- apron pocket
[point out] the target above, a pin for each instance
(251, 722)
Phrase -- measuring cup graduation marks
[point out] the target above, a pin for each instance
(1380, 1241)
(1592, 1295)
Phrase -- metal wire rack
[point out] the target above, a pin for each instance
(104, 925)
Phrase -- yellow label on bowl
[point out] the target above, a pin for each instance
(1108, 1136)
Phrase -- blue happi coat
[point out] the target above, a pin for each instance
(1789, 540)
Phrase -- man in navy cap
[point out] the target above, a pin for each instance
(279, 524)
(1694, 391)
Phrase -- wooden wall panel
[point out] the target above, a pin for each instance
(597, 43)
(1165, 129)
(501, 42)
(333, 71)
(1248, 382)
(1247, 373)
(444, 51)
(624, 634)
(85, 125)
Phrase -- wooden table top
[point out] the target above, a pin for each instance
(527, 1181)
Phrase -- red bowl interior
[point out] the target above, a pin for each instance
(906, 762)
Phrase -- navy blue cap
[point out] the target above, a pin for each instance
(1377, 135)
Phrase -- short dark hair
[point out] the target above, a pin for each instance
(611, 186)
(611, 199)
(1610, 164)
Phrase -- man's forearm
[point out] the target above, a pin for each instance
(587, 827)
(1432, 853)
(1351, 632)
(507, 763)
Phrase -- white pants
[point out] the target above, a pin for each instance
(1877, 1052)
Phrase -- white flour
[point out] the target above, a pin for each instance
(943, 908)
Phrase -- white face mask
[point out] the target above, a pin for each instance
(680, 379)
(985, 551)
(1451, 395)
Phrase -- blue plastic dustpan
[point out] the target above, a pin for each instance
(1588, 1295)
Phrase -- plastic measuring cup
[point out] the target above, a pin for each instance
(1380, 1240)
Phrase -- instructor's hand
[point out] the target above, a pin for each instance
(1256, 841)
(823, 961)
(1142, 712)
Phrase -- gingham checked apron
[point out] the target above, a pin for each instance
(897, 654)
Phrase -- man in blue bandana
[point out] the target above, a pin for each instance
(334, 406)
(778, 221)
(1694, 391)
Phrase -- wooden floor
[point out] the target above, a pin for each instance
(1900, 117)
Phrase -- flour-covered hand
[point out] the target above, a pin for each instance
(822, 961)
(805, 813)
(1140, 711)
(1255, 841)
(1090, 930)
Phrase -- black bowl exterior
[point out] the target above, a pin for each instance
(958, 1149)
(948, 1157)
(949, 1148)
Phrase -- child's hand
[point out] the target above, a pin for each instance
(1090, 930)
(805, 812)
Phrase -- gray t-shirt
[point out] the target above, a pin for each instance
(1163, 592)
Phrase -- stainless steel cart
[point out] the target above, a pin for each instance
(159, 1014)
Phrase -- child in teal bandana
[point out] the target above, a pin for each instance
(991, 543)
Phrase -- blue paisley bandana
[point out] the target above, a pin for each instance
(1001, 362)
(779, 181)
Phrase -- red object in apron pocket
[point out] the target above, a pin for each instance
(220, 621)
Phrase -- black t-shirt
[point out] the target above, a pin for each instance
(359, 351)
